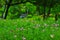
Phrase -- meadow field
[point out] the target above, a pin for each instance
(29, 29)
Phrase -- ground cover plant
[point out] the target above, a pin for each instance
(29, 29)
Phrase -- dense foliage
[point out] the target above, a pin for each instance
(13, 8)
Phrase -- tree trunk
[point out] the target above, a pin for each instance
(38, 9)
(44, 13)
(7, 8)
(56, 17)
(6, 12)
(49, 12)
(3, 11)
(44, 6)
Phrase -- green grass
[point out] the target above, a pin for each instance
(29, 29)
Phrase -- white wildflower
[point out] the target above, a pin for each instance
(23, 38)
(52, 35)
(45, 25)
(21, 28)
(43, 30)
(15, 36)
(55, 25)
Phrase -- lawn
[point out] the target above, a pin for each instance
(29, 29)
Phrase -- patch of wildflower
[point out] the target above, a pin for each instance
(55, 25)
(23, 38)
(52, 35)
